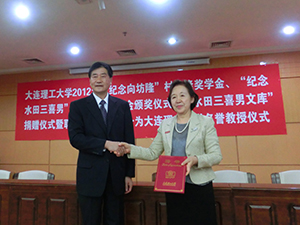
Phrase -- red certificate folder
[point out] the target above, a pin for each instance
(170, 175)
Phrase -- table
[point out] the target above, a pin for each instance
(54, 202)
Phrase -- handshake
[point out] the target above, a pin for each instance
(118, 148)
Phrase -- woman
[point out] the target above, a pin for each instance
(192, 135)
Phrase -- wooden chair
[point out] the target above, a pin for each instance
(153, 177)
(34, 175)
(234, 176)
(286, 177)
(5, 174)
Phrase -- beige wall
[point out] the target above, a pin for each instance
(261, 155)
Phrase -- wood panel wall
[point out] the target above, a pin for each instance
(260, 155)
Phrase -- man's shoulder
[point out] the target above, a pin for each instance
(82, 100)
(117, 100)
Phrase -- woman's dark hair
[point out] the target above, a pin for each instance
(97, 65)
(190, 89)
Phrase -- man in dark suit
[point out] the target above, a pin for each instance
(95, 129)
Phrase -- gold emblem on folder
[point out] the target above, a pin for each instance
(170, 174)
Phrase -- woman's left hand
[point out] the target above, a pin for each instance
(189, 162)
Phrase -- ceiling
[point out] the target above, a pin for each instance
(254, 27)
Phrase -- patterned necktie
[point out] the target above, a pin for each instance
(103, 110)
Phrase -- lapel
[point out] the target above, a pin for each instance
(168, 131)
(95, 111)
(194, 128)
(112, 111)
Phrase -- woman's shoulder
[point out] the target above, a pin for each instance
(167, 121)
(201, 117)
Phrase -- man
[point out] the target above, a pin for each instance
(101, 176)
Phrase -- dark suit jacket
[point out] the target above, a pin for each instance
(88, 134)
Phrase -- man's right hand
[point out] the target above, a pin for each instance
(113, 146)
(124, 149)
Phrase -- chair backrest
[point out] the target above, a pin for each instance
(4, 174)
(234, 176)
(153, 177)
(34, 175)
(286, 177)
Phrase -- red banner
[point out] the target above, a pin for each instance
(241, 100)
